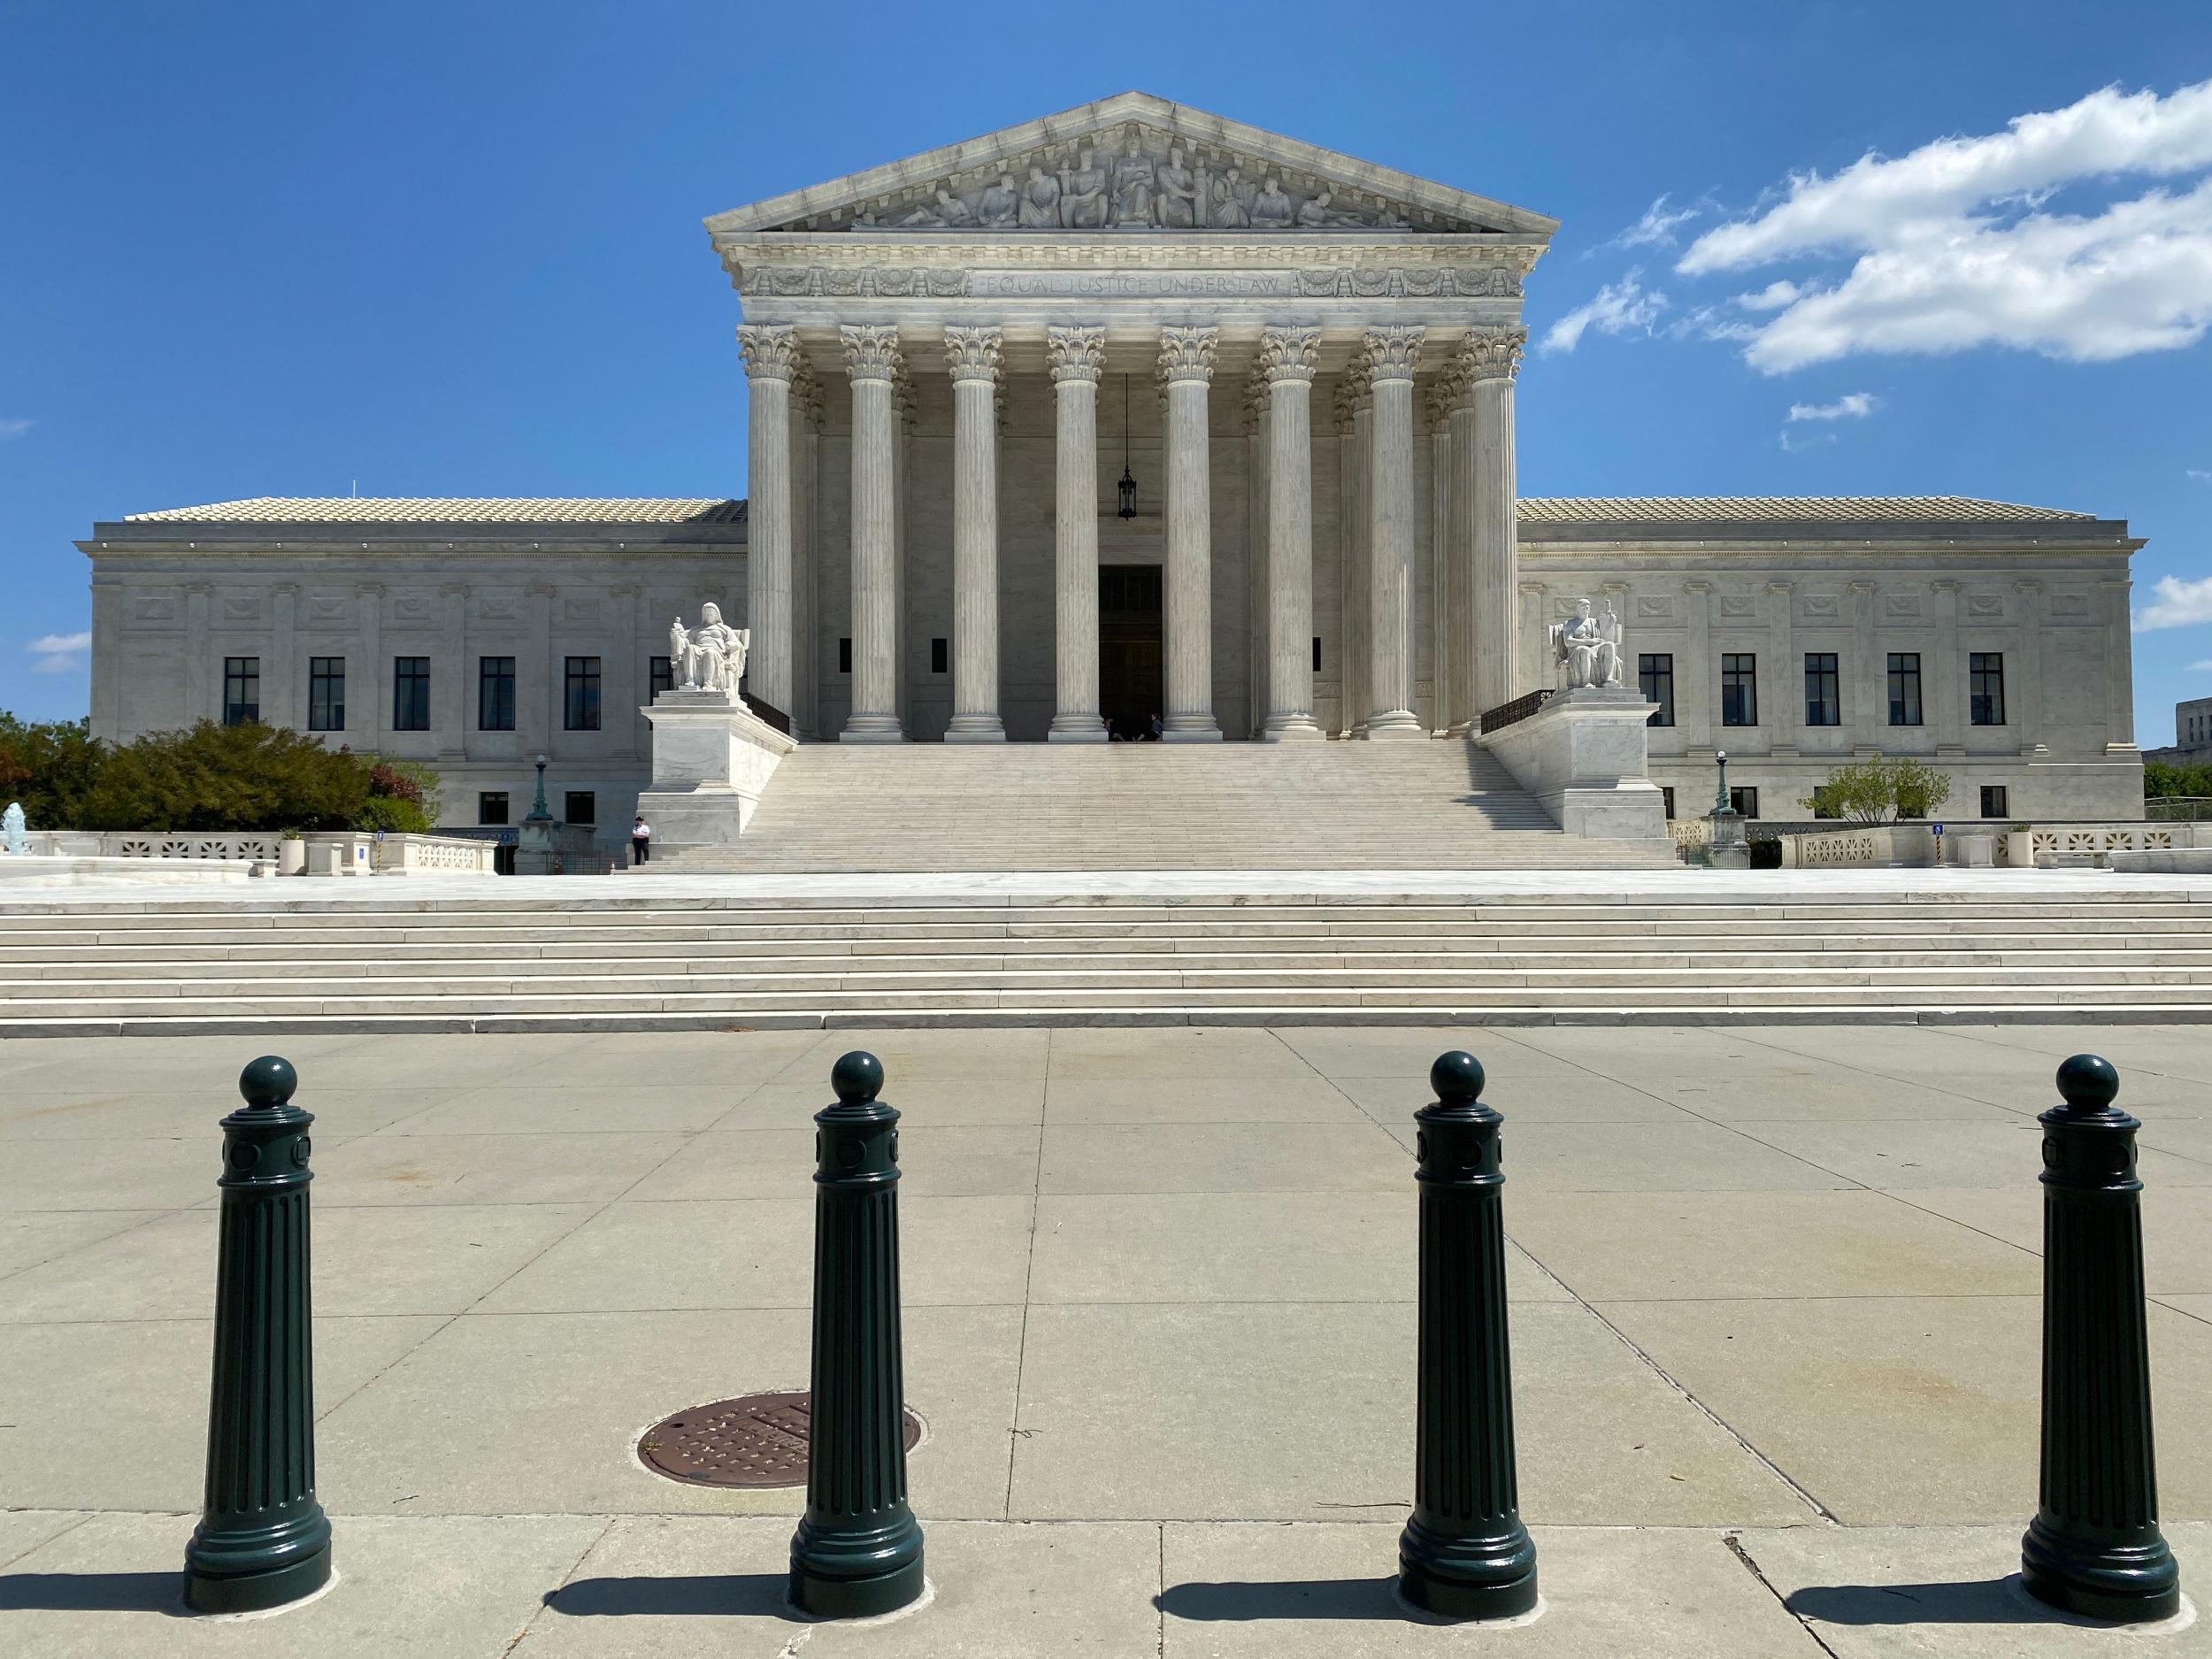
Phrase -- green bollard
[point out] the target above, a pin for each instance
(2094, 1547)
(858, 1549)
(1465, 1553)
(262, 1539)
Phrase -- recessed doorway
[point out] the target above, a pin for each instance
(1131, 684)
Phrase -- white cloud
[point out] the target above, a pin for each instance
(59, 653)
(1794, 444)
(13, 428)
(2179, 604)
(2203, 667)
(1953, 245)
(2199, 475)
(1617, 308)
(1850, 406)
(1656, 227)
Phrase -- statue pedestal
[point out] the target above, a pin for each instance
(1583, 757)
(711, 759)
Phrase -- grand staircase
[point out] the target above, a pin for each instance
(1414, 805)
(581, 954)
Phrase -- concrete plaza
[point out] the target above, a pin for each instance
(1775, 1322)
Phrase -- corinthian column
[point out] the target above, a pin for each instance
(772, 362)
(871, 359)
(1287, 357)
(1074, 354)
(1493, 358)
(1186, 366)
(1390, 357)
(1356, 424)
(1457, 674)
(974, 355)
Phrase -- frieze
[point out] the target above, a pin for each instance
(1654, 605)
(1739, 605)
(1821, 608)
(1902, 604)
(834, 281)
(1985, 605)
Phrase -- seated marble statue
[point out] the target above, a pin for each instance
(996, 206)
(1313, 213)
(1134, 180)
(1040, 201)
(1083, 196)
(710, 657)
(1586, 651)
(1229, 211)
(1179, 193)
(1270, 209)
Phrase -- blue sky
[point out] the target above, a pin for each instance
(454, 249)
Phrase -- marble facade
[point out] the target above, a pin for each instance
(1307, 365)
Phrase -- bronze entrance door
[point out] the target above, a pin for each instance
(1130, 680)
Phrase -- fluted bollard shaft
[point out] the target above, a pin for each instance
(1465, 1553)
(2094, 1547)
(262, 1539)
(858, 1549)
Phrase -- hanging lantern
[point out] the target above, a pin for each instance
(1128, 509)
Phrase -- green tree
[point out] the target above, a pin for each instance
(2162, 781)
(1915, 788)
(1859, 791)
(51, 767)
(248, 776)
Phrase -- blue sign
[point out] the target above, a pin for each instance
(1938, 828)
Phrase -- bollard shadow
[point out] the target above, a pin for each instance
(710, 1595)
(1971, 1601)
(93, 1593)
(1235, 1600)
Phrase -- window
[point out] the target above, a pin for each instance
(1744, 799)
(1655, 672)
(1985, 699)
(1739, 688)
(495, 694)
(937, 657)
(1666, 796)
(491, 806)
(410, 694)
(579, 706)
(326, 694)
(844, 656)
(1316, 653)
(1996, 801)
(661, 676)
(1904, 688)
(582, 807)
(242, 690)
(1824, 704)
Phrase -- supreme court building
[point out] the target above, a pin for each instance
(1128, 412)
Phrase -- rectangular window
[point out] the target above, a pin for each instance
(1744, 799)
(579, 704)
(1986, 688)
(1666, 796)
(242, 690)
(1996, 801)
(410, 694)
(1824, 704)
(661, 676)
(495, 694)
(491, 806)
(326, 694)
(1904, 688)
(844, 656)
(582, 807)
(1655, 672)
(937, 663)
(1739, 688)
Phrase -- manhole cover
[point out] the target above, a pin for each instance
(753, 1440)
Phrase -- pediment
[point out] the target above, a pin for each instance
(1153, 166)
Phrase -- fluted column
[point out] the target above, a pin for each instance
(1390, 357)
(1256, 543)
(903, 412)
(1074, 355)
(973, 355)
(1458, 672)
(871, 359)
(1357, 417)
(771, 361)
(1287, 357)
(1493, 359)
(1186, 369)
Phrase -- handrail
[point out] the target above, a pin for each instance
(1505, 713)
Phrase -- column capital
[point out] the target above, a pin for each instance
(282, 590)
(872, 350)
(973, 354)
(1354, 398)
(1534, 590)
(460, 590)
(1445, 395)
(2028, 585)
(1945, 584)
(1389, 353)
(770, 352)
(1188, 354)
(1778, 586)
(1861, 588)
(1256, 397)
(1493, 352)
(1075, 352)
(1289, 354)
(362, 590)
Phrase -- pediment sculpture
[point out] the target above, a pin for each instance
(1587, 649)
(710, 657)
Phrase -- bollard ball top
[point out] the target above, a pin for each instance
(858, 1078)
(2087, 1082)
(1457, 1077)
(268, 1081)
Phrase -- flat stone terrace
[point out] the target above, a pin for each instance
(656, 951)
(1774, 1300)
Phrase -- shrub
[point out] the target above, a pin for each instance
(1860, 792)
(213, 776)
(2162, 781)
(51, 767)
(1915, 788)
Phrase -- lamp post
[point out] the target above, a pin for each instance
(1727, 850)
